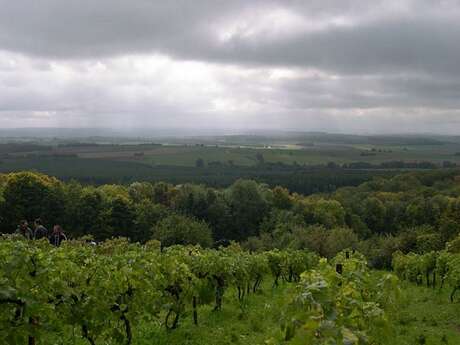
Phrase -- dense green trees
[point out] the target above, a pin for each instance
(30, 196)
(411, 212)
(248, 202)
(177, 229)
(147, 215)
(89, 215)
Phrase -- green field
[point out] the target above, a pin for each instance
(243, 150)
(188, 155)
(299, 162)
(302, 164)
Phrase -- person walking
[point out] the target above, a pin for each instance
(57, 236)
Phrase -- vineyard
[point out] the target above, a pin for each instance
(435, 269)
(81, 293)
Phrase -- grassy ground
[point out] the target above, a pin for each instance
(427, 317)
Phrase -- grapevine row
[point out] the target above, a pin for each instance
(342, 302)
(436, 268)
(107, 291)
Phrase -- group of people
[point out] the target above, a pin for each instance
(55, 237)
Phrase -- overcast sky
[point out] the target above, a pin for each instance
(338, 65)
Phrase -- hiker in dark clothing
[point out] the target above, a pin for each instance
(24, 230)
(40, 231)
(57, 236)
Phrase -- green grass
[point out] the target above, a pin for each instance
(427, 317)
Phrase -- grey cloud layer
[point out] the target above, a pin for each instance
(346, 60)
(413, 35)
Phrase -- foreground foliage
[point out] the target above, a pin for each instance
(112, 292)
(105, 292)
(347, 308)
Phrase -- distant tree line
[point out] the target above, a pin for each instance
(398, 165)
(297, 178)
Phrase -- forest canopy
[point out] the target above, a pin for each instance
(415, 211)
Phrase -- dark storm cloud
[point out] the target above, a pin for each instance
(371, 38)
(380, 47)
(82, 29)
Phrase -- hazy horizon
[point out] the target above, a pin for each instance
(82, 132)
(385, 67)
